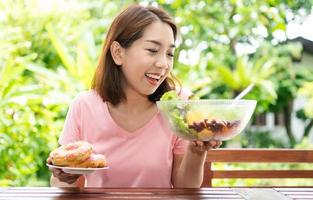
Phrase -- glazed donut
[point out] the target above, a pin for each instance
(94, 161)
(70, 154)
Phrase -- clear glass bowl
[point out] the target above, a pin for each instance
(207, 119)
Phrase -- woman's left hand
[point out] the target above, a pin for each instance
(200, 146)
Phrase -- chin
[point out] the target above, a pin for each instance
(149, 92)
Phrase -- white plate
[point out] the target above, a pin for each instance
(75, 170)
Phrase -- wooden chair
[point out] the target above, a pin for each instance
(256, 156)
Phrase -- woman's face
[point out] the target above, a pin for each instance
(148, 61)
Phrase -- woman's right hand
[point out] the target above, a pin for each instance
(64, 177)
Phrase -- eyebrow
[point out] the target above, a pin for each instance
(159, 43)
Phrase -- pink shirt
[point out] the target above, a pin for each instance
(142, 158)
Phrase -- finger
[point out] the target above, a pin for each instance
(71, 181)
(213, 143)
(194, 143)
(64, 176)
(199, 143)
(218, 144)
(69, 178)
(60, 173)
(208, 147)
(56, 172)
(204, 145)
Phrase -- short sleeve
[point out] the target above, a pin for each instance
(179, 146)
(71, 128)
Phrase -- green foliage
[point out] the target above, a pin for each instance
(26, 135)
(213, 60)
(48, 53)
(231, 44)
(49, 50)
(255, 138)
(81, 69)
(307, 91)
(245, 72)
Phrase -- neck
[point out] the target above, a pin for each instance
(134, 103)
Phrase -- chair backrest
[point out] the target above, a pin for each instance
(256, 156)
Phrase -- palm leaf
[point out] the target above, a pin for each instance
(61, 49)
(227, 77)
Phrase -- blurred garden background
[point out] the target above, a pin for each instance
(49, 50)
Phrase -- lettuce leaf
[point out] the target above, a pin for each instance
(176, 113)
(170, 95)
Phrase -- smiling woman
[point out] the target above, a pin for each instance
(126, 29)
(148, 61)
(119, 116)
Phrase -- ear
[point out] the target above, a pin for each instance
(117, 52)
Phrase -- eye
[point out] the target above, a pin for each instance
(170, 54)
(152, 50)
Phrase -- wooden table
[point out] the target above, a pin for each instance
(35, 193)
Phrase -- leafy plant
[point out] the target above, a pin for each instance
(25, 132)
(81, 69)
(307, 91)
(37, 84)
(49, 51)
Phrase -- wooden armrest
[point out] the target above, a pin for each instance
(256, 156)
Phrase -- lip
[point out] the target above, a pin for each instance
(152, 82)
(157, 74)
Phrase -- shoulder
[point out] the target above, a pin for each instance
(86, 98)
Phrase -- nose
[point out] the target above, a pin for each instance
(162, 62)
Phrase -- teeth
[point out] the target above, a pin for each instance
(153, 76)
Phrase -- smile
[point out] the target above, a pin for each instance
(153, 78)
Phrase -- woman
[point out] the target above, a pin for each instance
(119, 115)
